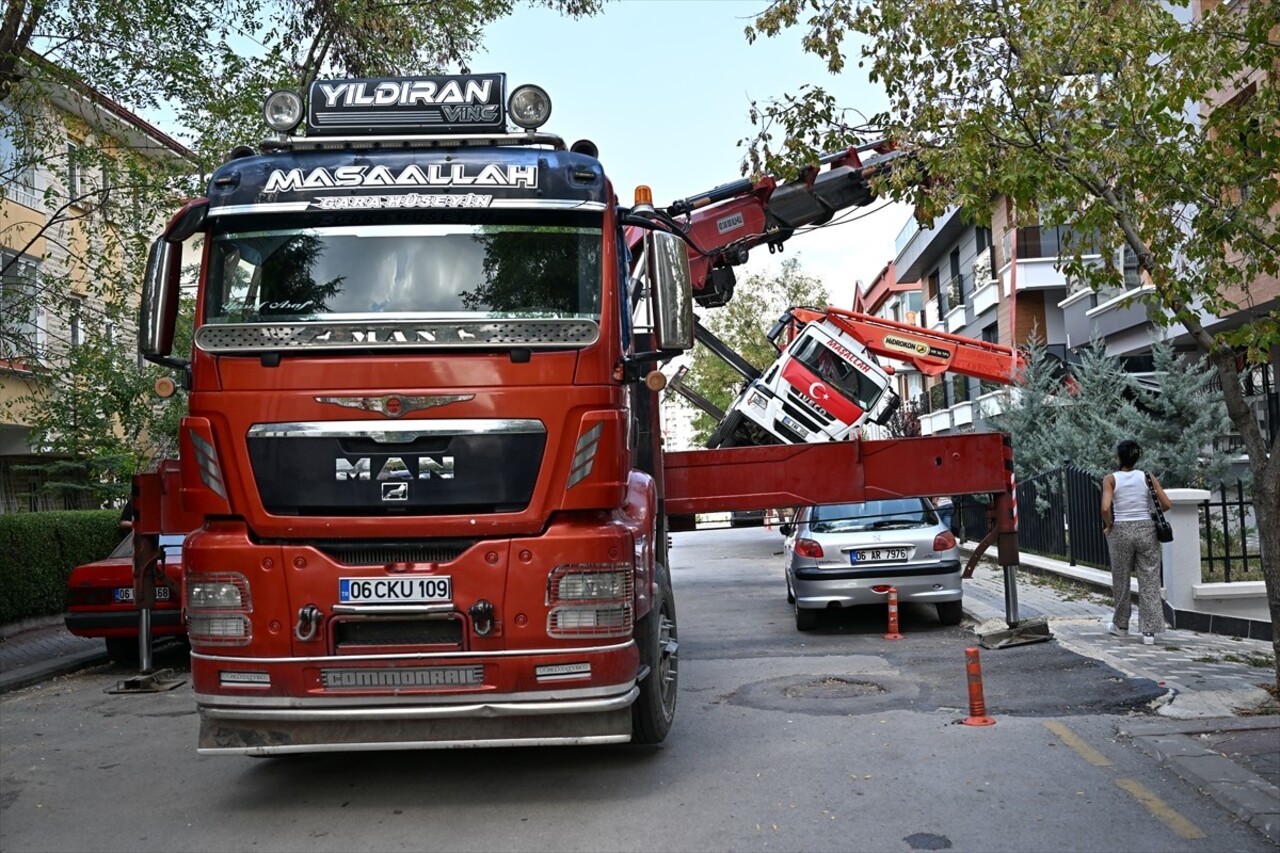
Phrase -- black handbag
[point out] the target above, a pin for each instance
(1164, 530)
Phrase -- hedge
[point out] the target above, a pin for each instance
(38, 550)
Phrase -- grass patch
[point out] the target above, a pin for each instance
(1071, 590)
(1258, 660)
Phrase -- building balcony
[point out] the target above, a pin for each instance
(986, 297)
(918, 249)
(933, 423)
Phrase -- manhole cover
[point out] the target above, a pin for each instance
(833, 688)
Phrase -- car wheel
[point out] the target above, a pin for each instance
(123, 650)
(806, 620)
(791, 593)
(950, 612)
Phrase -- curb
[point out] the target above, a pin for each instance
(1248, 796)
(25, 676)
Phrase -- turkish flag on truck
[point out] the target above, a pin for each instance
(825, 394)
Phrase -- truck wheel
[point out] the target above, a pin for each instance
(123, 650)
(806, 620)
(950, 612)
(724, 434)
(655, 708)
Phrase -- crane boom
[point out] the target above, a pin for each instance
(930, 351)
(723, 224)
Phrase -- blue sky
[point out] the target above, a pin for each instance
(664, 87)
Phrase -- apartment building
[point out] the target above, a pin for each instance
(73, 167)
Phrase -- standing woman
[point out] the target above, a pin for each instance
(1131, 539)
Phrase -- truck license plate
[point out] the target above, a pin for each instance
(125, 593)
(877, 555)
(395, 590)
(790, 422)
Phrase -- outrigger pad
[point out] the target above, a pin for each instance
(159, 681)
(995, 634)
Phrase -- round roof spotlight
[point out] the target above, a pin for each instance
(283, 110)
(529, 107)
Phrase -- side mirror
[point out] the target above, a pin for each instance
(890, 408)
(161, 285)
(671, 286)
(786, 529)
(158, 312)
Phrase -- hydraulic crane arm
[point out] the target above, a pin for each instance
(930, 351)
(723, 224)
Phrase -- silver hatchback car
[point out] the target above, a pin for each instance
(841, 555)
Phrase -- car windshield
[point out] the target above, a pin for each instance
(898, 513)
(170, 542)
(513, 269)
(852, 382)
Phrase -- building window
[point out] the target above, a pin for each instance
(20, 334)
(19, 176)
(75, 173)
(982, 236)
(938, 293)
(77, 321)
(955, 285)
(109, 330)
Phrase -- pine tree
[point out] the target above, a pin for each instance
(1178, 423)
(1032, 412)
(1099, 413)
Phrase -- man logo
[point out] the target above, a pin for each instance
(395, 491)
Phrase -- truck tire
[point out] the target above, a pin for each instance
(655, 707)
(724, 436)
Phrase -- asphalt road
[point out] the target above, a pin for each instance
(830, 740)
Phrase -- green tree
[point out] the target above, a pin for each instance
(1178, 423)
(1096, 411)
(1087, 114)
(742, 324)
(1033, 413)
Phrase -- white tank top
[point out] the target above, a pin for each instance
(1130, 501)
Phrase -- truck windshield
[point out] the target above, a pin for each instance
(435, 270)
(861, 388)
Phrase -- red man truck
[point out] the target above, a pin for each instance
(423, 442)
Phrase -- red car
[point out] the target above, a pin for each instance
(100, 599)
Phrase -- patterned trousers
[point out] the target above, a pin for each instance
(1136, 551)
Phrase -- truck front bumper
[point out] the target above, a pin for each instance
(251, 729)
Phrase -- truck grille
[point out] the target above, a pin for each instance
(804, 411)
(380, 553)
(397, 632)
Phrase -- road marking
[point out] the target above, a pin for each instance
(1073, 740)
(1162, 810)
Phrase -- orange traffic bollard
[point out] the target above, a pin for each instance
(893, 615)
(977, 705)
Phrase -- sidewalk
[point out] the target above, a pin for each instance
(39, 649)
(1203, 729)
